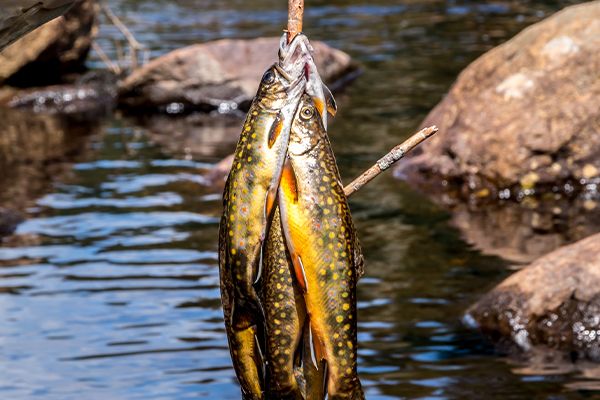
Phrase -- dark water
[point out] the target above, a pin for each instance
(109, 289)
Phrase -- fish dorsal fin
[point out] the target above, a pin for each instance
(275, 130)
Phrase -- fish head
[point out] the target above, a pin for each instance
(307, 129)
(277, 87)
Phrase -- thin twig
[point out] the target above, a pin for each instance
(295, 14)
(389, 159)
(133, 43)
(114, 68)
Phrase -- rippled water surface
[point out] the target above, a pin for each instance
(109, 288)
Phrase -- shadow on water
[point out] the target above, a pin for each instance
(109, 288)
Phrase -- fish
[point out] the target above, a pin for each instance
(248, 201)
(284, 318)
(324, 250)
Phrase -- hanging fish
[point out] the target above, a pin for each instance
(284, 317)
(324, 250)
(248, 202)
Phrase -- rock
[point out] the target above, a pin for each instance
(19, 19)
(553, 302)
(218, 174)
(525, 113)
(9, 219)
(221, 74)
(90, 98)
(52, 50)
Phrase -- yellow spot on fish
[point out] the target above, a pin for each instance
(277, 322)
(322, 188)
(323, 272)
(276, 304)
(336, 335)
(344, 362)
(325, 178)
(348, 370)
(249, 159)
(248, 146)
(233, 251)
(279, 286)
(253, 136)
(320, 242)
(277, 331)
(350, 345)
(346, 306)
(282, 315)
(345, 294)
(331, 235)
(240, 153)
(326, 211)
(230, 233)
(347, 327)
(335, 276)
(339, 318)
(239, 165)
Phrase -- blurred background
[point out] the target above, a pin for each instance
(109, 216)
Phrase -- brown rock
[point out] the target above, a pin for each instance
(58, 47)
(553, 302)
(535, 96)
(220, 73)
(19, 19)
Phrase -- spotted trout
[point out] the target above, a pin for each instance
(248, 201)
(323, 248)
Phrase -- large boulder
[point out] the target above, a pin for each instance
(524, 115)
(21, 17)
(52, 50)
(553, 302)
(223, 73)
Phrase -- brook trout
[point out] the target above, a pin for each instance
(248, 201)
(324, 250)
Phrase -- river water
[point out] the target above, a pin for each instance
(109, 288)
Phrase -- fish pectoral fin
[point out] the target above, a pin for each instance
(330, 101)
(299, 272)
(289, 182)
(317, 352)
(319, 104)
(275, 130)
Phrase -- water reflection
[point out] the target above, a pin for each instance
(109, 289)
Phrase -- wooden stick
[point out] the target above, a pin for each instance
(389, 159)
(295, 13)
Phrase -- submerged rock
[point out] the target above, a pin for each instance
(521, 232)
(52, 50)
(553, 302)
(9, 219)
(223, 75)
(90, 98)
(196, 135)
(524, 115)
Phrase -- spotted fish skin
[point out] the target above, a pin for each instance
(321, 239)
(248, 201)
(284, 317)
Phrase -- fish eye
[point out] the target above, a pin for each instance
(268, 77)
(307, 112)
